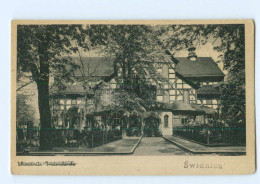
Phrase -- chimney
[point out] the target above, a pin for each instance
(186, 96)
(192, 55)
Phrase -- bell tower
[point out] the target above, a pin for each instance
(192, 55)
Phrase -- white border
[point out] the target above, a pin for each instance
(109, 10)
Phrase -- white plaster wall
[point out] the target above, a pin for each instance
(166, 131)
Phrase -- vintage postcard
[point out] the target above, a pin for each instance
(164, 97)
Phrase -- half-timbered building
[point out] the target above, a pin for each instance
(191, 92)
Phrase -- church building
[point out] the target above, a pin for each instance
(190, 95)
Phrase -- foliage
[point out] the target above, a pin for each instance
(136, 49)
(40, 51)
(45, 51)
(48, 46)
(24, 112)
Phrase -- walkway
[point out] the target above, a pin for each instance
(157, 146)
(123, 146)
(200, 149)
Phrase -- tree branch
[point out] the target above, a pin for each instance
(24, 85)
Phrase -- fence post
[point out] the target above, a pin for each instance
(92, 140)
(208, 132)
(103, 136)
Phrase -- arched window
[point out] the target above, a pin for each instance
(166, 121)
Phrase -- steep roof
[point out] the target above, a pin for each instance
(181, 107)
(94, 66)
(68, 90)
(202, 67)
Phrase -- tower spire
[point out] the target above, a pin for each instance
(192, 55)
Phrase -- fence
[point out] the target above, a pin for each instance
(67, 137)
(212, 135)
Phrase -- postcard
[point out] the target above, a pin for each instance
(132, 97)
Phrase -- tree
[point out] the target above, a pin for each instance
(136, 49)
(232, 102)
(24, 113)
(43, 50)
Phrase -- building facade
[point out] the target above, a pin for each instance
(191, 93)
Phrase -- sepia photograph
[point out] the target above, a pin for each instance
(93, 90)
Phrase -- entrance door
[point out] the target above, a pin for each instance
(151, 127)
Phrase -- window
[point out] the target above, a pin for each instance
(215, 106)
(192, 91)
(113, 84)
(214, 102)
(116, 121)
(159, 98)
(171, 81)
(171, 70)
(79, 101)
(184, 119)
(171, 76)
(180, 98)
(172, 98)
(172, 92)
(165, 86)
(186, 86)
(73, 102)
(166, 121)
(192, 98)
(61, 101)
(68, 104)
(179, 86)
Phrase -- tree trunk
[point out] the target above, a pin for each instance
(45, 114)
(43, 100)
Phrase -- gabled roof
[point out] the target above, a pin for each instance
(181, 107)
(94, 66)
(178, 106)
(202, 67)
(68, 90)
